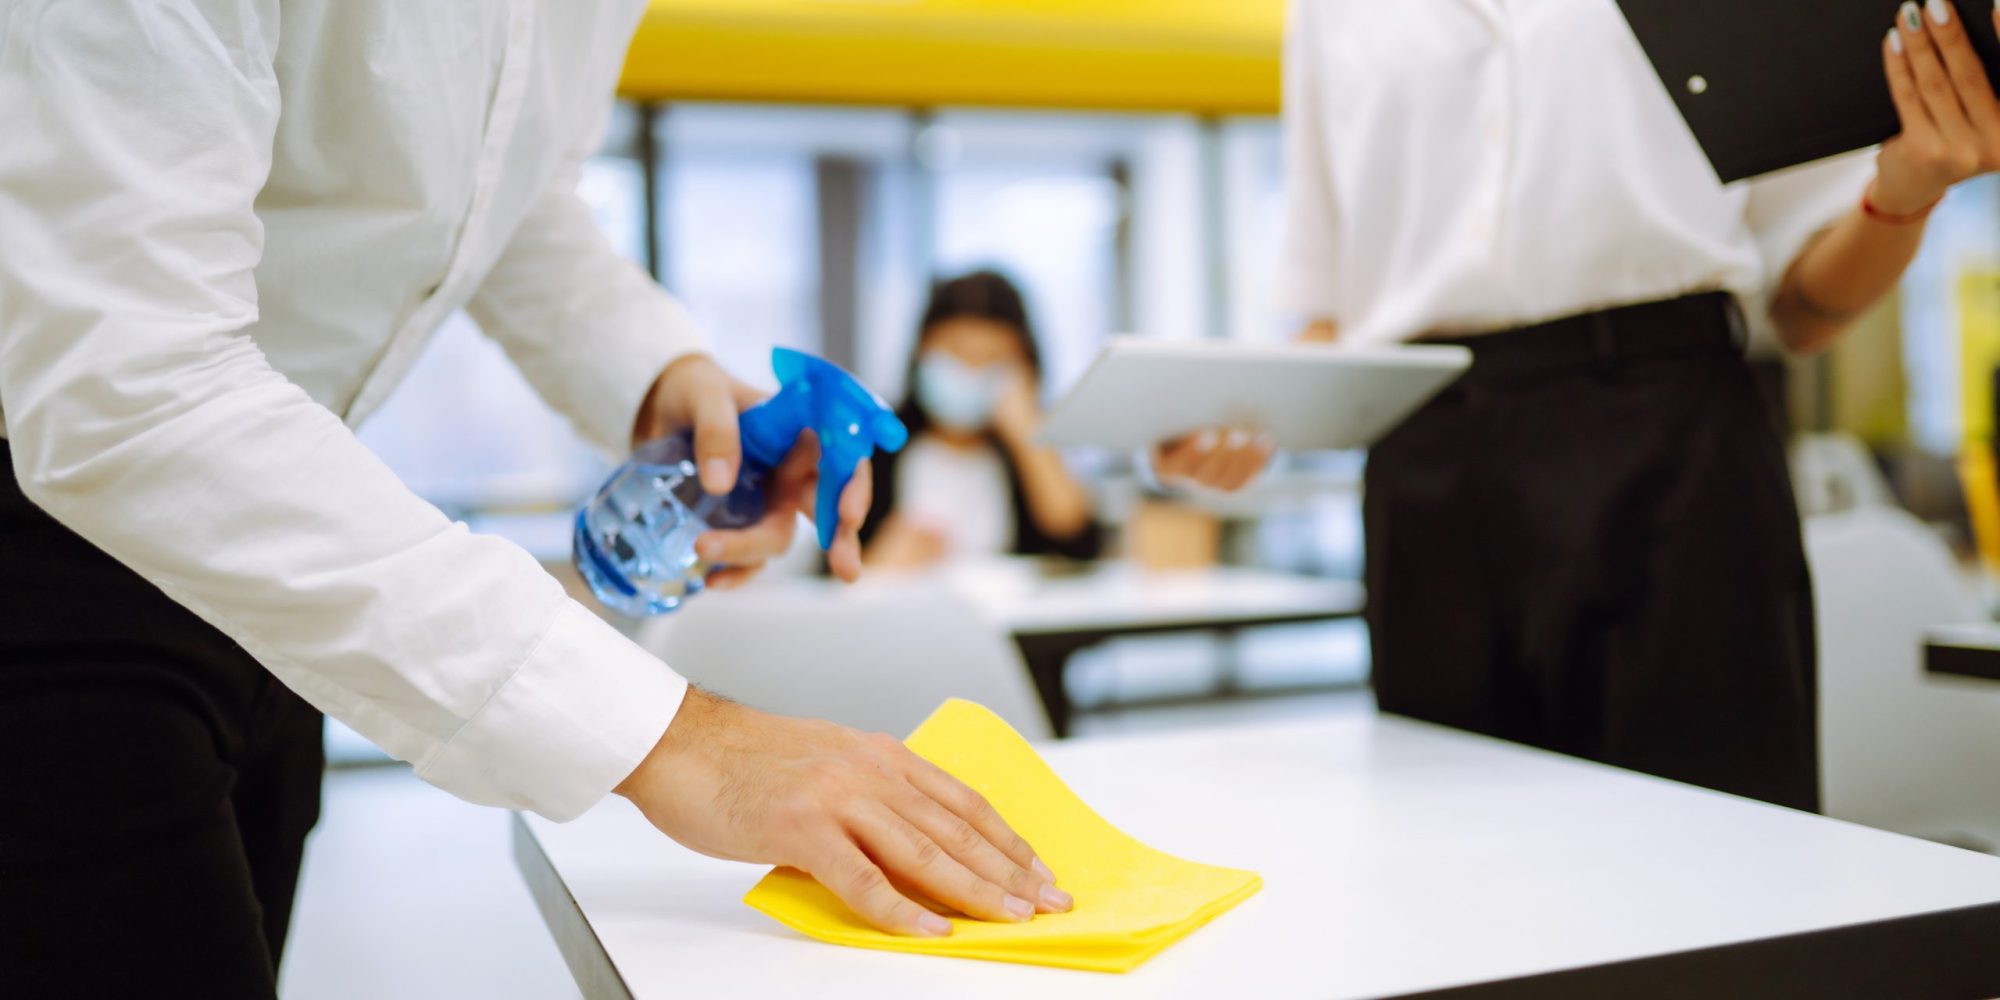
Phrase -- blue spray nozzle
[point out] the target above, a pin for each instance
(850, 422)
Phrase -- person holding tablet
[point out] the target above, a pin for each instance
(1590, 543)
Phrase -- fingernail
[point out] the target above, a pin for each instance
(708, 549)
(1042, 870)
(715, 471)
(1912, 18)
(1237, 439)
(933, 925)
(1020, 909)
(1896, 39)
(1205, 442)
(1056, 899)
(1940, 11)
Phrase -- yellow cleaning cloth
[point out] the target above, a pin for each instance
(1131, 901)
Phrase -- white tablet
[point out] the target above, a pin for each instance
(1307, 397)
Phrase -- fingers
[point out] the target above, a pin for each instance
(908, 854)
(1967, 73)
(756, 544)
(1247, 460)
(866, 890)
(969, 847)
(1215, 464)
(971, 807)
(1179, 459)
(844, 558)
(732, 577)
(1903, 88)
(717, 447)
(1226, 460)
(1933, 83)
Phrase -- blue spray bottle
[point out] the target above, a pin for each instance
(635, 539)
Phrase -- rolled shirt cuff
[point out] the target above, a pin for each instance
(567, 727)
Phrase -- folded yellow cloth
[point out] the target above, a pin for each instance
(1131, 901)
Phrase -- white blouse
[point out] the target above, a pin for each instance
(962, 494)
(1463, 166)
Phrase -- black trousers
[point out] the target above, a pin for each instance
(156, 783)
(1590, 545)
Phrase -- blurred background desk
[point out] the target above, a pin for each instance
(1400, 860)
(1053, 613)
(881, 654)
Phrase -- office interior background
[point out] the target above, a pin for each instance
(820, 225)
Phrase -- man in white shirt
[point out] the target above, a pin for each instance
(229, 227)
(1589, 544)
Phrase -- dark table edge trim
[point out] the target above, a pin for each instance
(1955, 660)
(1099, 633)
(1941, 955)
(589, 963)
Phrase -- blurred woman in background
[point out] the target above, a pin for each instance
(972, 482)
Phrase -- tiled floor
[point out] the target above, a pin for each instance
(410, 893)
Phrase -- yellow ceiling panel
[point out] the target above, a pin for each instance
(1214, 56)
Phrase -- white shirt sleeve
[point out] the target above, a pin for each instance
(589, 328)
(142, 416)
(1308, 264)
(1787, 209)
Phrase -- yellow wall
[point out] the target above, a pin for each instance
(1212, 56)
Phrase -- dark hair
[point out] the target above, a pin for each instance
(982, 294)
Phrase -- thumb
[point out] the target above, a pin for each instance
(718, 447)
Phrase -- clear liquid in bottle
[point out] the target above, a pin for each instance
(635, 539)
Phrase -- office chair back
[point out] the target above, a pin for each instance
(878, 657)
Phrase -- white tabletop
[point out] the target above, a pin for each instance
(1120, 597)
(1398, 859)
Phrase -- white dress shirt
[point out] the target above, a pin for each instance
(1464, 166)
(230, 225)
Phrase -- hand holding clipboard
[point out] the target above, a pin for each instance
(1794, 81)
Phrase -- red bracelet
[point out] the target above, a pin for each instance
(1891, 219)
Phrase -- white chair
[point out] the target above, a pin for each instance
(878, 657)
(1901, 751)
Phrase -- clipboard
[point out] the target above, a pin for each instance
(1770, 84)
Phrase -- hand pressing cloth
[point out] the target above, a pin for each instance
(1131, 900)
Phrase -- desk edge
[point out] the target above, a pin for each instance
(589, 963)
(1941, 954)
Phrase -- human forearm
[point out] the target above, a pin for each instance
(1841, 275)
(1057, 503)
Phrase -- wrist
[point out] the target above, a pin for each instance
(696, 717)
(1899, 205)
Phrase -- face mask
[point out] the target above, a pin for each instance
(956, 395)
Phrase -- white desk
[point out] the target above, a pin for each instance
(1118, 598)
(1398, 860)
(1053, 616)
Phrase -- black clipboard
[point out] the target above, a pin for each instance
(1770, 84)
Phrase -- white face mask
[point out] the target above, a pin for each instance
(956, 395)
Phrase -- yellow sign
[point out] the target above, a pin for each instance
(1131, 901)
(1209, 56)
